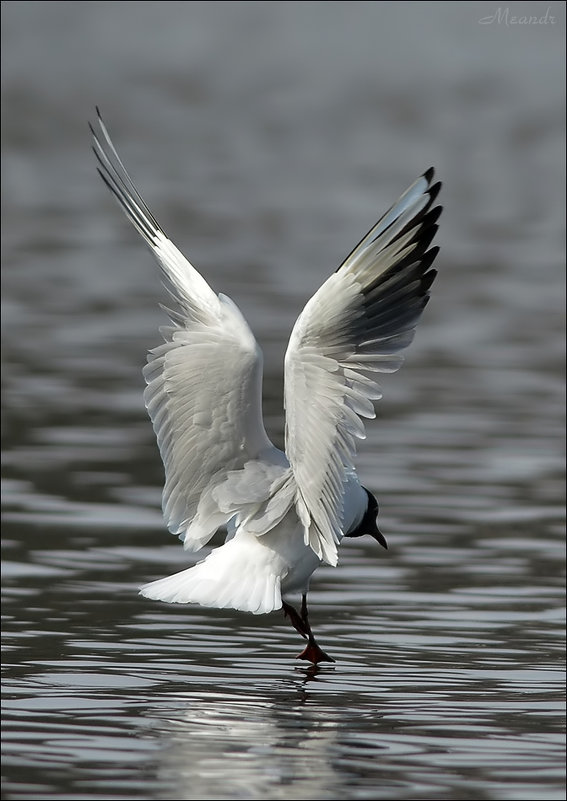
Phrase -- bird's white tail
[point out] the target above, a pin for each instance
(238, 575)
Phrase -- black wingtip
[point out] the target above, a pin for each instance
(431, 217)
(428, 174)
(433, 191)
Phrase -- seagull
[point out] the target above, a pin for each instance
(285, 512)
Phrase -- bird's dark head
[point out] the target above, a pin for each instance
(368, 523)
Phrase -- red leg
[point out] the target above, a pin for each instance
(296, 621)
(312, 652)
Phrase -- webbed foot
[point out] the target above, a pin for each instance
(313, 653)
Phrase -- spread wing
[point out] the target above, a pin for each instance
(203, 389)
(357, 323)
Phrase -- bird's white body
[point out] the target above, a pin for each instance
(285, 512)
(252, 573)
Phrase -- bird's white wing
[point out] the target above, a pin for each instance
(203, 389)
(356, 323)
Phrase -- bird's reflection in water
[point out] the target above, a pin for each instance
(252, 746)
(311, 672)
